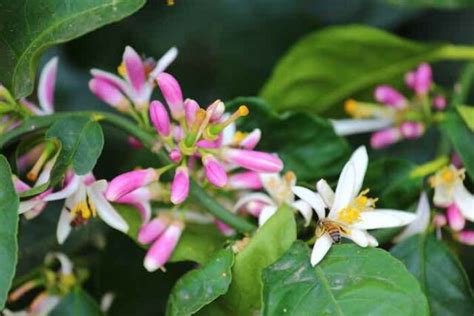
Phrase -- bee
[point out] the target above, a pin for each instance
(334, 230)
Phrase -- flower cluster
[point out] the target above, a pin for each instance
(394, 117)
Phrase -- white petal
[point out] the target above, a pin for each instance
(383, 219)
(326, 193)
(320, 248)
(46, 86)
(265, 214)
(304, 209)
(421, 222)
(271, 182)
(64, 226)
(351, 126)
(66, 264)
(67, 191)
(464, 201)
(252, 197)
(228, 132)
(443, 195)
(312, 199)
(360, 160)
(358, 236)
(371, 240)
(164, 62)
(28, 205)
(47, 305)
(104, 209)
(345, 189)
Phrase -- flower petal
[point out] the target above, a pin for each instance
(353, 126)
(46, 85)
(266, 213)
(358, 236)
(164, 62)
(67, 191)
(104, 209)
(420, 224)
(360, 160)
(64, 226)
(320, 248)
(252, 197)
(345, 189)
(135, 69)
(326, 193)
(464, 201)
(312, 199)
(305, 210)
(380, 218)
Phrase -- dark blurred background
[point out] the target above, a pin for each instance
(227, 49)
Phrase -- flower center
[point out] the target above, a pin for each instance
(361, 203)
(82, 212)
(447, 176)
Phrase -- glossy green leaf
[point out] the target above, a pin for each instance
(197, 243)
(201, 286)
(446, 4)
(35, 190)
(30, 27)
(467, 114)
(327, 67)
(270, 241)
(77, 303)
(81, 142)
(308, 145)
(349, 281)
(440, 274)
(8, 229)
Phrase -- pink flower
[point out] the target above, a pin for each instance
(412, 130)
(161, 250)
(385, 137)
(172, 93)
(215, 172)
(455, 218)
(152, 230)
(389, 96)
(130, 181)
(245, 180)
(180, 185)
(160, 119)
(421, 79)
(109, 94)
(439, 102)
(466, 237)
(254, 160)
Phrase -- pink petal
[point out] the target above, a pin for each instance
(389, 96)
(171, 91)
(160, 118)
(140, 198)
(423, 79)
(175, 155)
(190, 109)
(130, 181)
(252, 139)
(455, 219)
(161, 250)
(254, 160)
(46, 86)
(135, 69)
(466, 237)
(412, 130)
(109, 94)
(439, 102)
(152, 230)
(225, 229)
(180, 185)
(245, 180)
(215, 172)
(385, 137)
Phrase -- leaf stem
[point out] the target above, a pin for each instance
(148, 140)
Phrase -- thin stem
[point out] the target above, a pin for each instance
(148, 140)
(429, 167)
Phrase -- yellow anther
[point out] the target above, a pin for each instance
(243, 110)
(122, 70)
(238, 137)
(350, 106)
(361, 203)
(349, 214)
(447, 176)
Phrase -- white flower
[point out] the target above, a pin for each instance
(84, 199)
(351, 211)
(449, 188)
(421, 222)
(279, 192)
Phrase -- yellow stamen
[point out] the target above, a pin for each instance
(122, 70)
(170, 2)
(350, 106)
(361, 203)
(238, 137)
(447, 176)
(43, 158)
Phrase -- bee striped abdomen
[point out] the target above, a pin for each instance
(335, 234)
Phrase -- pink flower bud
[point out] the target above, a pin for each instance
(439, 220)
(190, 109)
(171, 91)
(152, 230)
(466, 237)
(160, 119)
(215, 172)
(109, 94)
(455, 219)
(411, 130)
(252, 139)
(225, 229)
(245, 180)
(385, 138)
(134, 142)
(180, 185)
(161, 250)
(130, 181)
(410, 78)
(439, 102)
(254, 160)
(175, 155)
(389, 96)
(423, 79)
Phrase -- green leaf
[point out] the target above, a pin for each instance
(81, 140)
(197, 243)
(327, 67)
(30, 27)
(467, 114)
(349, 281)
(271, 241)
(9, 203)
(201, 286)
(440, 274)
(308, 145)
(461, 138)
(77, 303)
(442, 4)
(35, 190)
